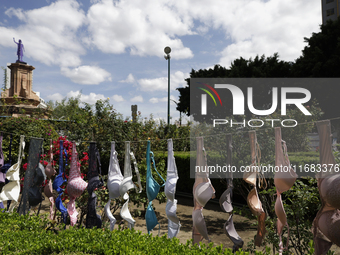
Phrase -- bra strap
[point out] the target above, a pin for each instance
(51, 151)
(137, 172)
(21, 148)
(99, 165)
(10, 150)
(154, 166)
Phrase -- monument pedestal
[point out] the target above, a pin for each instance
(19, 99)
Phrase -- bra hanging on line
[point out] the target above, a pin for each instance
(202, 191)
(283, 181)
(226, 202)
(59, 181)
(115, 178)
(170, 190)
(75, 186)
(250, 177)
(152, 189)
(11, 190)
(92, 218)
(128, 184)
(327, 221)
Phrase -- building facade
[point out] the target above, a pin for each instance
(330, 10)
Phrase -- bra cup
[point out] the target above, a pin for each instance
(49, 170)
(280, 212)
(329, 225)
(113, 186)
(152, 189)
(254, 202)
(126, 185)
(284, 180)
(150, 217)
(199, 223)
(76, 187)
(250, 177)
(125, 213)
(170, 188)
(225, 201)
(230, 231)
(170, 210)
(203, 193)
(173, 229)
(48, 190)
(13, 173)
(10, 191)
(330, 190)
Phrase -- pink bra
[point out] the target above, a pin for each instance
(49, 169)
(75, 186)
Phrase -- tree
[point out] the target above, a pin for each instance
(321, 58)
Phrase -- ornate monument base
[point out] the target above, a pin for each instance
(19, 99)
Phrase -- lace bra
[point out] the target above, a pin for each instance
(128, 184)
(170, 190)
(75, 186)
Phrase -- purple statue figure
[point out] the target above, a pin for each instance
(20, 51)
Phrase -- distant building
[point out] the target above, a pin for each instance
(330, 10)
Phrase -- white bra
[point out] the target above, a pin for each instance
(115, 178)
(170, 190)
(128, 184)
(11, 190)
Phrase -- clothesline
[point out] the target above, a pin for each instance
(185, 138)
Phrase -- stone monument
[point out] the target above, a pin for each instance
(20, 99)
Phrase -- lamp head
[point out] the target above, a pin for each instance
(167, 50)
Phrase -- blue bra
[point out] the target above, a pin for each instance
(152, 189)
(59, 181)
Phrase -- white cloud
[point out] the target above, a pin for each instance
(144, 28)
(176, 80)
(90, 99)
(55, 97)
(137, 99)
(87, 75)
(118, 98)
(129, 79)
(49, 33)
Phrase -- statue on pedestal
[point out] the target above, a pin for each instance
(20, 51)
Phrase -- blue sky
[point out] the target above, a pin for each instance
(114, 49)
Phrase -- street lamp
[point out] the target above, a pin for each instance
(167, 51)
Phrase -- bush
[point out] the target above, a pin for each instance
(34, 235)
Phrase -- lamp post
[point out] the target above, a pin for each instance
(180, 114)
(167, 51)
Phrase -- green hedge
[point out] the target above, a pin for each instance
(31, 235)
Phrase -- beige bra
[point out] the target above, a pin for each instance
(327, 221)
(253, 199)
(284, 179)
(203, 191)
